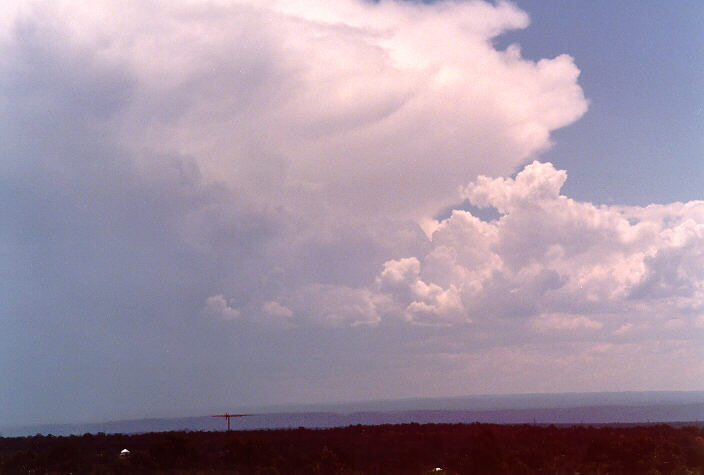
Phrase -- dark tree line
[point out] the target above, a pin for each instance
(385, 449)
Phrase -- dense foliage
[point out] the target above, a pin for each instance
(385, 449)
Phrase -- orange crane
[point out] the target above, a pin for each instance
(227, 416)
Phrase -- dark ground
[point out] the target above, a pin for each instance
(385, 449)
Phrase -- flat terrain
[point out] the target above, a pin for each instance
(384, 449)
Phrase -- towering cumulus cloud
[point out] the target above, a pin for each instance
(557, 262)
(187, 178)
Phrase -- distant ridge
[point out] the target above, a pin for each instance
(571, 408)
(503, 401)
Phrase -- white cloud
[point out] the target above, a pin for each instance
(384, 107)
(335, 305)
(425, 303)
(565, 322)
(623, 329)
(218, 307)
(400, 273)
(275, 309)
(565, 265)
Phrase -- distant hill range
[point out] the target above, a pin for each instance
(570, 408)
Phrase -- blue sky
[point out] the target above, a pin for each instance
(642, 68)
(218, 205)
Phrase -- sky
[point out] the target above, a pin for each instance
(212, 204)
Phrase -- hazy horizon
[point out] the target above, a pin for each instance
(565, 408)
(497, 405)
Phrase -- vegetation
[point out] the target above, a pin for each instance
(385, 449)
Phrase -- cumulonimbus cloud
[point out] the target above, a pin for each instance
(268, 161)
(304, 119)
